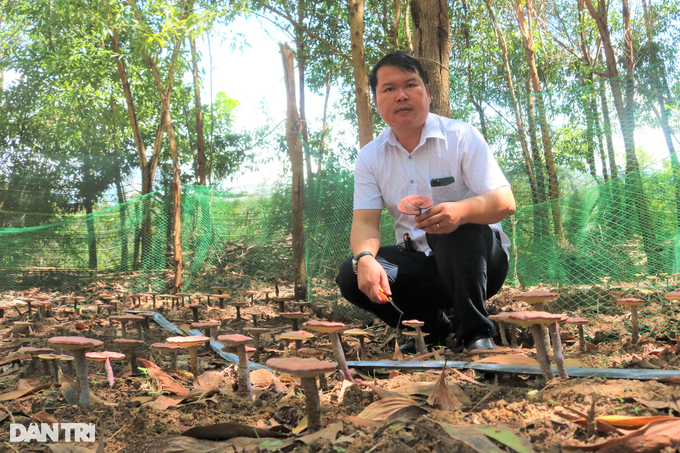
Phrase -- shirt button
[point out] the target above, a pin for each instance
(420, 242)
(411, 181)
(410, 157)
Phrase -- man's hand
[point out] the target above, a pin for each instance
(442, 218)
(489, 208)
(371, 277)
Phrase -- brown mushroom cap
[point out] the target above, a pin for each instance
(49, 356)
(255, 330)
(65, 357)
(536, 296)
(126, 318)
(414, 334)
(165, 347)
(630, 302)
(250, 291)
(577, 321)
(75, 343)
(358, 333)
(297, 335)
(234, 340)
(202, 324)
(238, 304)
(325, 326)
(294, 315)
(35, 351)
(301, 367)
(672, 295)
(413, 204)
(187, 342)
(128, 343)
(413, 323)
(311, 352)
(530, 318)
(104, 355)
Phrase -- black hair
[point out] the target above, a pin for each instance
(398, 59)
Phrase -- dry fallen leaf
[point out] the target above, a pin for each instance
(209, 382)
(509, 359)
(166, 381)
(329, 433)
(397, 352)
(23, 390)
(380, 410)
(656, 435)
(263, 379)
(425, 389)
(629, 422)
(442, 397)
(43, 417)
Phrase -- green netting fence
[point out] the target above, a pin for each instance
(619, 228)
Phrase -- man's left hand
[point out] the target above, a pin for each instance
(440, 219)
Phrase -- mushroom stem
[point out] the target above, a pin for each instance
(140, 331)
(554, 330)
(194, 310)
(123, 328)
(245, 390)
(541, 353)
(501, 329)
(81, 377)
(340, 357)
(256, 356)
(55, 371)
(421, 347)
(47, 369)
(362, 349)
(513, 336)
(134, 369)
(313, 403)
(634, 321)
(173, 360)
(194, 360)
(581, 340)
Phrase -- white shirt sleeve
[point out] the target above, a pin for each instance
(479, 168)
(366, 188)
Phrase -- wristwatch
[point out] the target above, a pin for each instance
(355, 260)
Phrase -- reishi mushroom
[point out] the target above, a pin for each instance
(255, 332)
(414, 204)
(306, 370)
(106, 357)
(173, 349)
(192, 343)
(632, 303)
(535, 320)
(239, 342)
(333, 329)
(421, 348)
(298, 336)
(579, 322)
(130, 347)
(78, 346)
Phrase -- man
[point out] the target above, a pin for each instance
(453, 255)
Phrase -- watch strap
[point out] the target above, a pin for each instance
(355, 260)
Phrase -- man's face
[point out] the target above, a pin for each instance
(401, 98)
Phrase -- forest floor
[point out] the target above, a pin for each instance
(489, 413)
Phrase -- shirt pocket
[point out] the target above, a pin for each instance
(452, 192)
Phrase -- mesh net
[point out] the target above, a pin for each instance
(611, 232)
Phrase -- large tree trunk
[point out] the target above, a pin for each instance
(296, 161)
(122, 220)
(521, 134)
(553, 183)
(626, 114)
(394, 30)
(607, 123)
(432, 45)
(590, 128)
(407, 26)
(178, 257)
(301, 62)
(200, 140)
(91, 234)
(361, 88)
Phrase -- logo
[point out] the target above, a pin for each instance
(72, 432)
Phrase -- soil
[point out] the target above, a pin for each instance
(545, 413)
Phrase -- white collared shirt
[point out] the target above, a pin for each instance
(385, 172)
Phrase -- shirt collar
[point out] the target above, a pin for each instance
(431, 130)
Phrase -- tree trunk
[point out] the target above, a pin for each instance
(613, 168)
(178, 259)
(407, 26)
(122, 207)
(590, 134)
(361, 88)
(553, 183)
(296, 161)
(324, 127)
(521, 134)
(598, 129)
(394, 30)
(200, 139)
(471, 95)
(432, 46)
(91, 235)
(300, 49)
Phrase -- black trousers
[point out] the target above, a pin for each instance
(467, 267)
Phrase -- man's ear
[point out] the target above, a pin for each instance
(375, 101)
(427, 90)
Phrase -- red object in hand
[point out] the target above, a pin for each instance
(383, 297)
(414, 204)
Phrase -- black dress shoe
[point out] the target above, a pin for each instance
(409, 346)
(482, 341)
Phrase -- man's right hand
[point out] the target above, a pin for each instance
(371, 277)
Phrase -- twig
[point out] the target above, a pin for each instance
(591, 429)
(491, 392)
(11, 417)
(11, 446)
